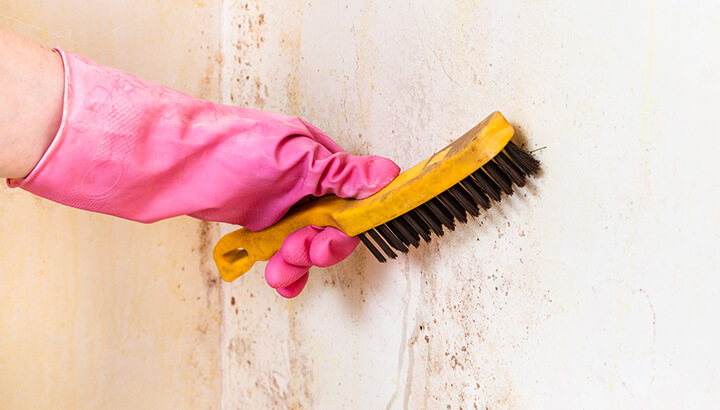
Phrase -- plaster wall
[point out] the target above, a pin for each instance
(594, 287)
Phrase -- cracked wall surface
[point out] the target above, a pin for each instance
(97, 312)
(592, 287)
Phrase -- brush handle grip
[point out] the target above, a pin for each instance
(238, 251)
(231, 257)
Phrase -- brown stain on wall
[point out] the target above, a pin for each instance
(451, 341)
(247, 89)
(208, 234)
(284, 384)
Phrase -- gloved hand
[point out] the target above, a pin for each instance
(134, 149)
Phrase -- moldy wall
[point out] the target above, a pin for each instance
(595, 286)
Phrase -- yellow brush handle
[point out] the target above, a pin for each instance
(237, 251)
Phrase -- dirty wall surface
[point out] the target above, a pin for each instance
(97, 312)
(593, 287)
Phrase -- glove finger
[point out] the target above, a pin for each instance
(280, 274)
(330, 246)
(351, 176)
(292, 261)
(295, 288)
(295, 248)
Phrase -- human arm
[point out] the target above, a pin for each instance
(137, 150)
(31, 80)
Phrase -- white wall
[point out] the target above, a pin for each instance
(594, 287)
(97, 312)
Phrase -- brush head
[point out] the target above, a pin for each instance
(509, 167)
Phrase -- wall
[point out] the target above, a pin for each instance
(97, 312)
(595, 287)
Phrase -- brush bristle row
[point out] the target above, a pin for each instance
(511, 166)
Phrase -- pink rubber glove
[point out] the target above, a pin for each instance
(137, 150)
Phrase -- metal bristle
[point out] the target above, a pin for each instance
(511, 166)
(515, 175)
(475, 192)
(383, 245)
(463, 198)
(486, 184)
(391, 238)
(499, 177)
(368, 244)
(451, 204)
(524, 160)
(405, 232)
(417, 225)
(442, 214)
(427, 216)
